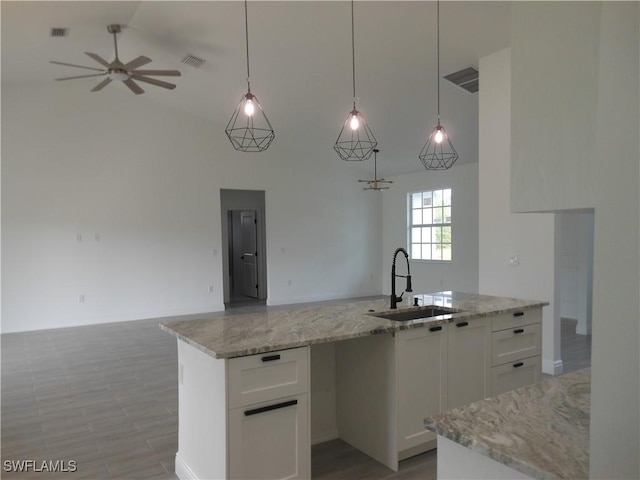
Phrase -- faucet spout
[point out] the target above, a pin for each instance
(395, 299)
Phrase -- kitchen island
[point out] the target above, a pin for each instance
(539, 431)
(244, 379)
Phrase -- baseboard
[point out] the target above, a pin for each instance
(552, 367)
(271, 301)
(183, 472)
(324, 437)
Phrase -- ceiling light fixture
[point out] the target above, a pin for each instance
(355, 141)
(376, 183)
(438, 153)
(249, 129)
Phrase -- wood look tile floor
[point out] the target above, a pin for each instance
(106, 397)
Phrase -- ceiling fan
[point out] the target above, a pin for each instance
(123, 72)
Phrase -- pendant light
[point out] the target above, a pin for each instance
(249, 128)
(376, 183)
(438, 153)
(355, 141)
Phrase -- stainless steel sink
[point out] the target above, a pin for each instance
(417, 313)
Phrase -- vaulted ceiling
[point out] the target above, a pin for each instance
(300, 55)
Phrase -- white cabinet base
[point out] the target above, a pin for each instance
(456, 462)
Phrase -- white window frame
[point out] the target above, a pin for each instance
(419, 249)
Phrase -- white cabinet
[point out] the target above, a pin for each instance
(468, 361)
(515, 350)
(245, 417)
(269, 415)
(270, 440)
(421, 366)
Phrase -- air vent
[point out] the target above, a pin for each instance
(192, 61)
(467, 79)
(59, 32)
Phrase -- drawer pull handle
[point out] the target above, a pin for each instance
(518, 314)
(462, 324)
(271, 358)
(435, 329)
(517, 365)
(268, 408)
(519, 330)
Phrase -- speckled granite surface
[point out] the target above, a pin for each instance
(541, 430)
(226, 336)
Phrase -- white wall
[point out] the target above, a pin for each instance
(502, 234)
(462, 272)
(555, 70)
(146, 180)
(605, 176)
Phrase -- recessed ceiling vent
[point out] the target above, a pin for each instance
(192, 61)
(467, 79)
(59, 32)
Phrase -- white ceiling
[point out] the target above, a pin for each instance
(300, 61)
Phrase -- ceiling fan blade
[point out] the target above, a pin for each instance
(101, 85)
(137, 62)
(153, 81)
(82, 76)
(133, 86)
(161, 73)
(98, 59)
(77, 66)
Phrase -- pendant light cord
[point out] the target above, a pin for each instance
(438, 53)
(353, 56)
(246, 37)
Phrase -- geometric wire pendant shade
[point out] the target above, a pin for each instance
(249, 129)
(355, 141)
(438, 153)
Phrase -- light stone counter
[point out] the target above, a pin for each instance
(541, 430)
(227, 336)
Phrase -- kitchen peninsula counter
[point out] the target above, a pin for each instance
(541, 430)
(228, 336)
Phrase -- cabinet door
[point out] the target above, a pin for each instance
(270, 440)
(468, 361)
(421, 357)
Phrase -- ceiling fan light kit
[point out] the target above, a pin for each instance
(126, 73)
(355, 141)
(377, 184)
(249, 129)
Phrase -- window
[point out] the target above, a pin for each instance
(430, 225)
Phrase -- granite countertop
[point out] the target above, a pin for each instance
(541, 430)
(227, 336)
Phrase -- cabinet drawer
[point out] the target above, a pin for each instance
(515, 375)
(516, 319)
(270, 440)
(267, 376)
(515, 343)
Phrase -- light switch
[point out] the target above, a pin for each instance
(514, 261)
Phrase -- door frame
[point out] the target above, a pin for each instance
(230, 200)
